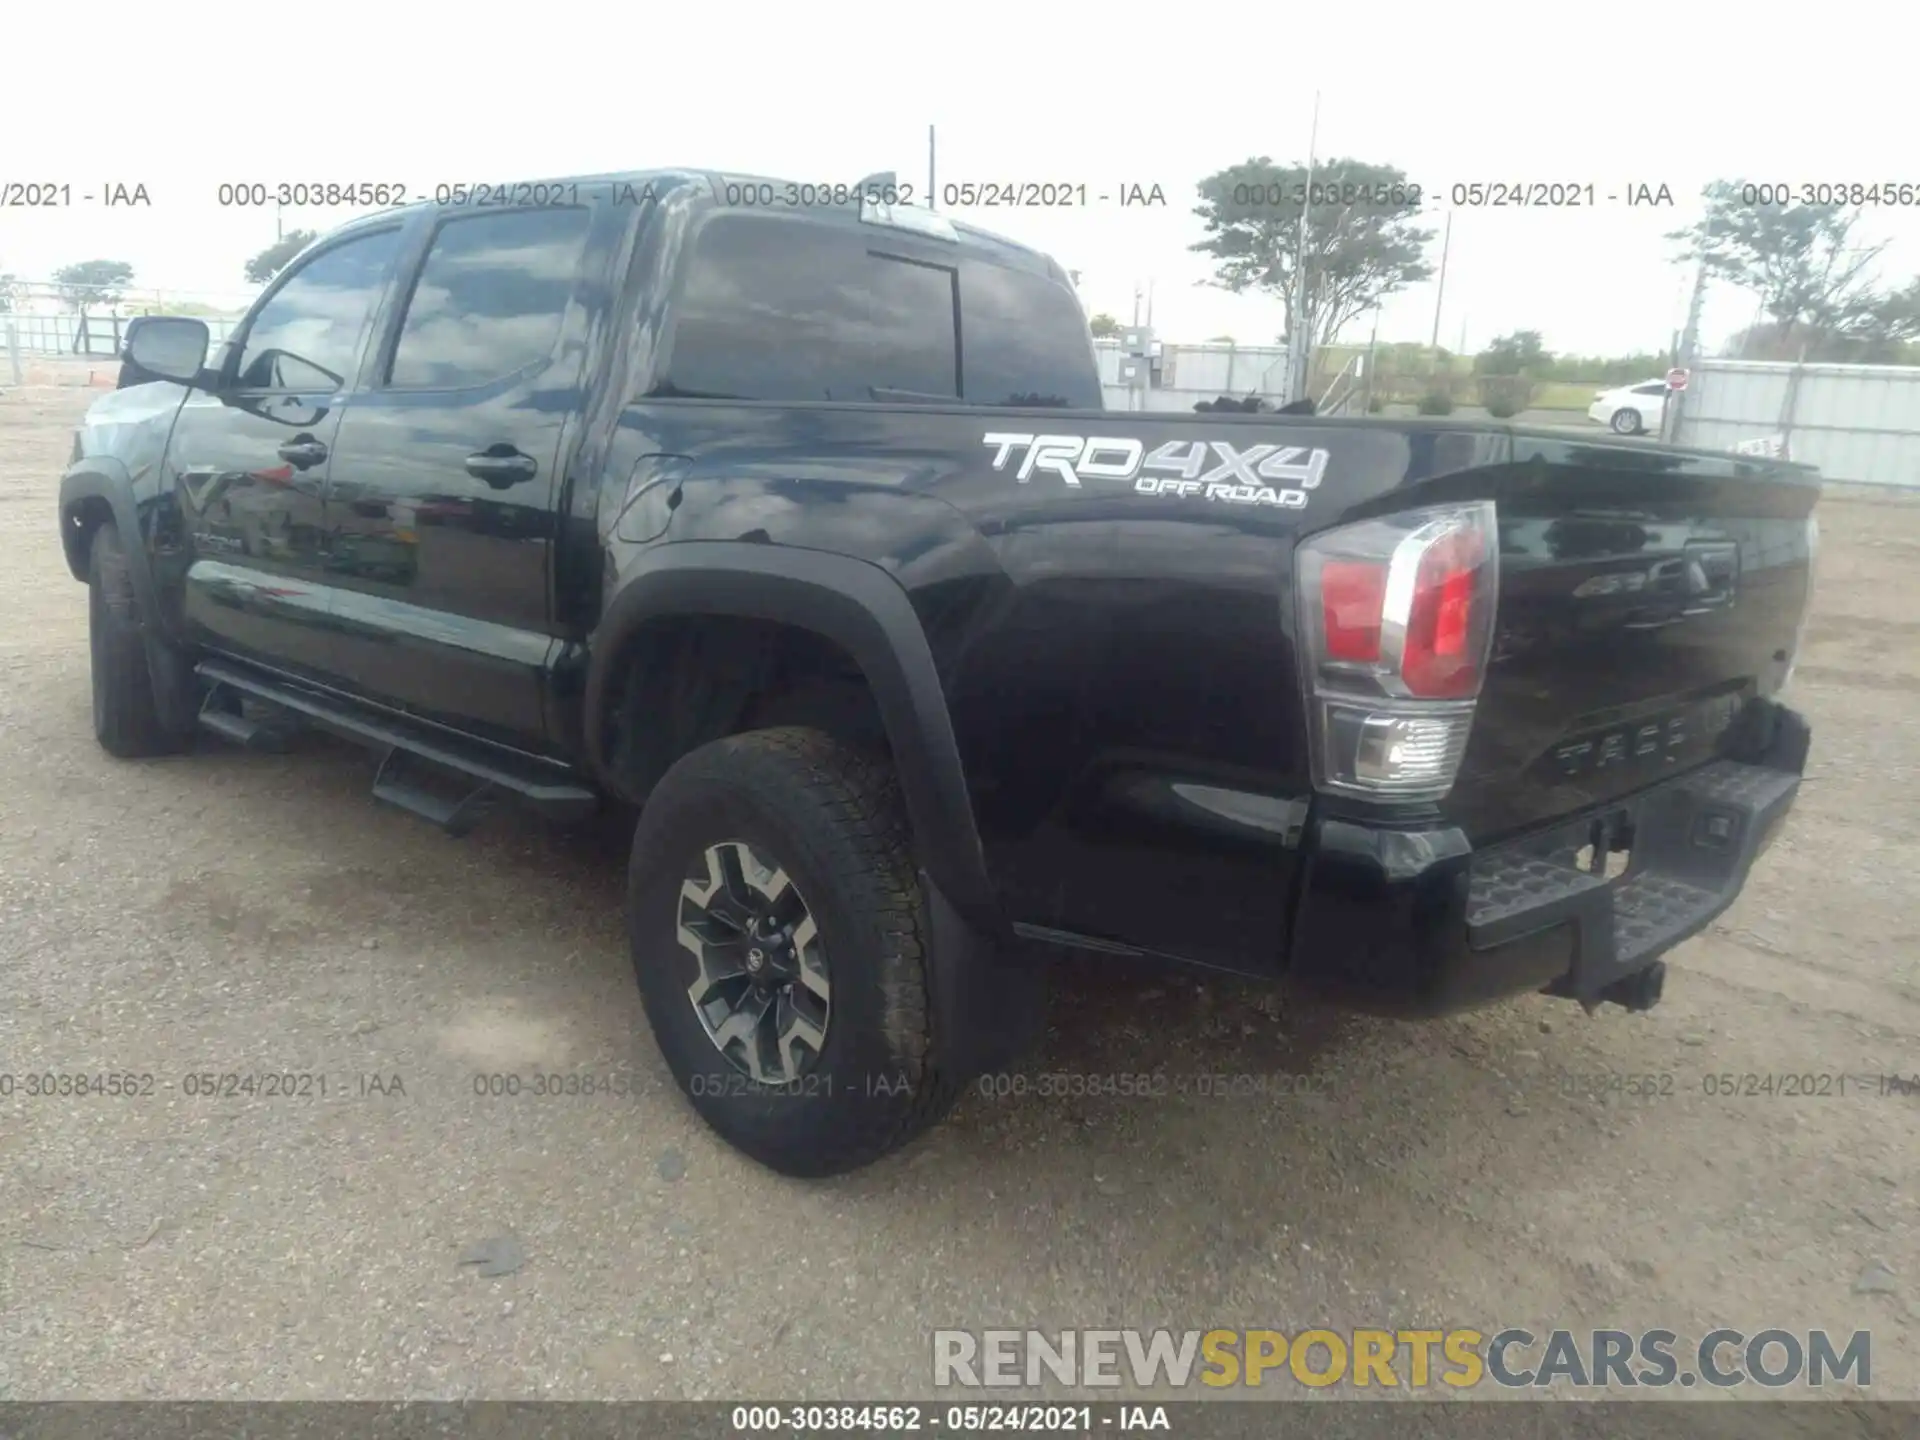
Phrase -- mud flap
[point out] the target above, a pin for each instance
(988, 999)
(175, 691)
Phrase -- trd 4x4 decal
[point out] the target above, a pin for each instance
(1206, 469)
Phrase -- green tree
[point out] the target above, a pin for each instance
(1605, 369)
(93, 282)
(1521, 353)
(1358, 250)
(1800, 260)
(1103, 326)
(272, 260)
(1873, 329)
(1505, 395)
(9, 287)
(1881, 328)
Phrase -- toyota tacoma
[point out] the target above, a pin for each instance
(798, 533)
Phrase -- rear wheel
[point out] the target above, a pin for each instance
(779, 937)
(1626, 421)
(127, 718)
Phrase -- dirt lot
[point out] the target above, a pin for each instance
(233, 912)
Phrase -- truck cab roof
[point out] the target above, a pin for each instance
(747, 189)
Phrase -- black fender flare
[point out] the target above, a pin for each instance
(101, 477)
(865, 611)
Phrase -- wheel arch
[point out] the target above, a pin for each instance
(97, 492)
(849, 603)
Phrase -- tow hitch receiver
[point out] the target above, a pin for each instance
(1640, 990)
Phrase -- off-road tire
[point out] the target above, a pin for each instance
(831, 817)
(127, 718)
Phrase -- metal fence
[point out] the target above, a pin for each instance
(50, 319)
(97, 337)
(1341, 379)
(1184, 375)
(1857, 423)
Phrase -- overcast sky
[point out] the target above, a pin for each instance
(182, 98)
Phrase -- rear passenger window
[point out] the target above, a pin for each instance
(490, 299)
(788, 309)
(1025, 339)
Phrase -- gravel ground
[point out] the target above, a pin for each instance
(234, 912)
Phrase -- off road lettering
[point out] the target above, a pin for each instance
(1263, 474)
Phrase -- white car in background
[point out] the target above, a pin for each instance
(1631, 409)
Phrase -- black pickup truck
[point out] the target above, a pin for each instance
(799, 532)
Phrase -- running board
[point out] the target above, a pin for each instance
(399, 783)
(230, 724)
(410, 755)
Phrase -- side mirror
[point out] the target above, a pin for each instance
(169, 347)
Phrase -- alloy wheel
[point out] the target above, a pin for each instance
(762, 991)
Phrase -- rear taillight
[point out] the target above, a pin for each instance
(1396, 626)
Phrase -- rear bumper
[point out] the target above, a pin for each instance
(1419, 923)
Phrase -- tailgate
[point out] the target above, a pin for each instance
(1644, 595)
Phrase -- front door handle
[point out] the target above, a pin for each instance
(501, 466)
(303, 453)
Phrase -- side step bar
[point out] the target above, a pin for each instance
(410, 755)
(227, 721)
(401, 784)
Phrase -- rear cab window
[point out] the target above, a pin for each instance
(1026, 339)
(794, 309)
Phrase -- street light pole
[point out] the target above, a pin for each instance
(1439, 299)
(1297, 352)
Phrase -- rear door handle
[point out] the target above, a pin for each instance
(302, 453)
(501, 466)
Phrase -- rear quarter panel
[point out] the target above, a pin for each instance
(1118, 665)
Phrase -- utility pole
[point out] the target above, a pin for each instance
(1373, 341)
(1297, 343)
(933, 195)
(1690, 336)
(1446, 244)
(1689, 348)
